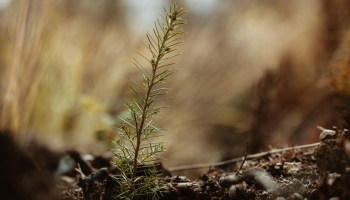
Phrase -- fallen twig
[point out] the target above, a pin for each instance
(199, 166)
(244, 159)
(80, 171)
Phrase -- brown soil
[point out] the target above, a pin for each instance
(315, 171)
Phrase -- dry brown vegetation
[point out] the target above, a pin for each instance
(266, 72)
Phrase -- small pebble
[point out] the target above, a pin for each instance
(326, 133)
(332, 177)
(232, 192)
(291, 167)
(278, 166)
(297, 196)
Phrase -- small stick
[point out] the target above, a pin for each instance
(209, 171)
(199, 166)
(245, 157)
(80, 171)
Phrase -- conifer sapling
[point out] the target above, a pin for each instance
(134, 150)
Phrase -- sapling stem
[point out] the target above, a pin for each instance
(135, 132)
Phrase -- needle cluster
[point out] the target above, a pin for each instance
(134, 153)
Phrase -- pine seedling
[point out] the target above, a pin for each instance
(135, 154)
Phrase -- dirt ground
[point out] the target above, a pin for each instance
(314, 171)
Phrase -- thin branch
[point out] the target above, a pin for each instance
(200, 166)
(80, 171)
(245, 157)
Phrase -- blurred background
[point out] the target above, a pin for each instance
(265, 72)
